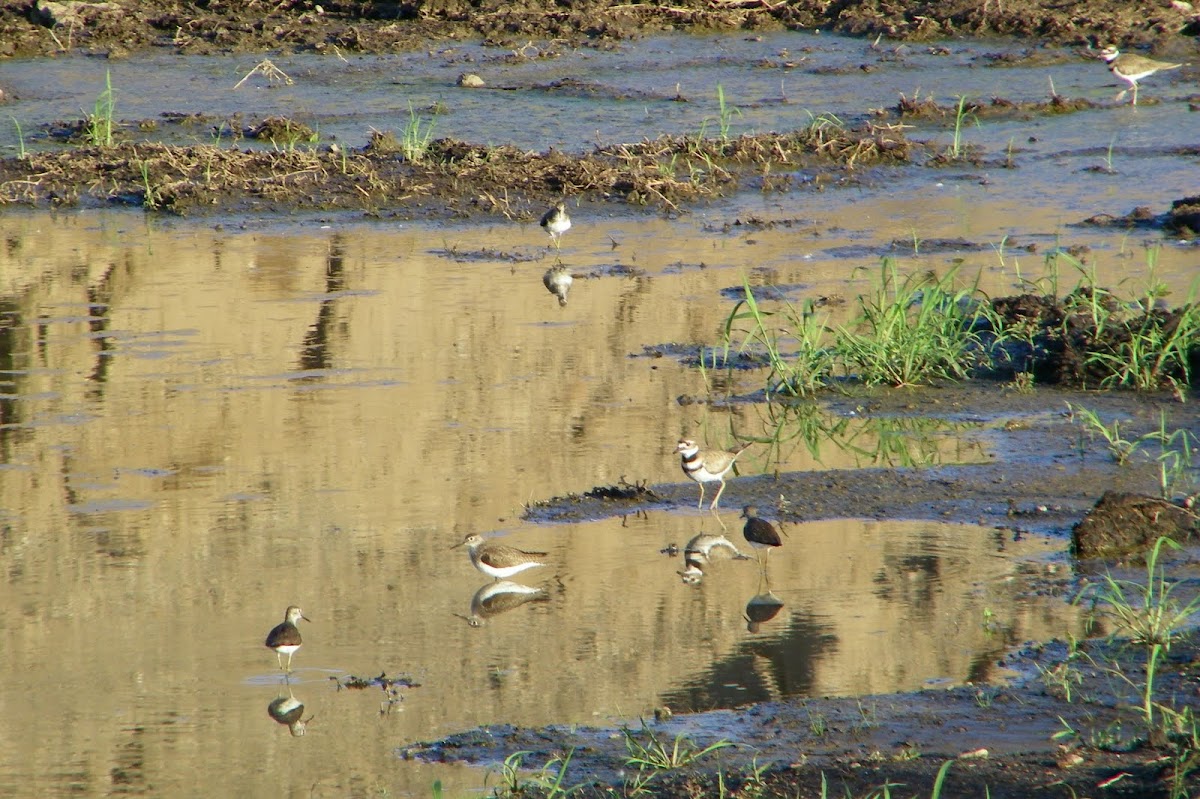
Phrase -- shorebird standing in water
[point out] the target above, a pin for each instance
(556, 222)
(499, 560)
(760, 533)
(1132, 68)
(284, 637)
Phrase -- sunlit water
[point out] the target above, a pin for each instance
(204, 424)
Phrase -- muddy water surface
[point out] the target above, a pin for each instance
(205, 423)
(203, 426)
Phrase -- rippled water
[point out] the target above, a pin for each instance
(202, 424)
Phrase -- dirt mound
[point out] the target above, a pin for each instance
(42, 28)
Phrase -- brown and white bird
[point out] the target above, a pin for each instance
(706, 466)
(701, 550)
(284, 637)
(557, 281)
(1132, 68)
(760, 533)
(556, 222)
(499, 560)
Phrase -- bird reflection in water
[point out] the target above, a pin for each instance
(557, 281)
(763, 606)
(700, 551)
(495, 598)
(289, 711)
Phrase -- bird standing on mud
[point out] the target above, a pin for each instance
(706, 466)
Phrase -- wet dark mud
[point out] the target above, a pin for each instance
(1009, 741)
(837, 747)
(1121, 524)
(449, 178)
(1041, 478)
(461, 179)
(1044, 478)
(117, 27)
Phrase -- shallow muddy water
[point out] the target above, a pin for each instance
(204, 426)
(203, 423)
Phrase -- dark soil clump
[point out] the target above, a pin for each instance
(28, 28)
(449, 176)
(1122, 524)
(1086, 339)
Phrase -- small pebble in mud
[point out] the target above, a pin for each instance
(469, 80)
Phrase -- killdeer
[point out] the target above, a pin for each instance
(557, 281)
(284, 638)
(760, 533)
(556, 222)
(706, 466)
(1132, 68)
(498, 560)
(700, 551)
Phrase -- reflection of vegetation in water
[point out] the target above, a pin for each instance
(807, 364)
(872, 441)
(1176, 465)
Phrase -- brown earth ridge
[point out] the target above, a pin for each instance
(38, 27)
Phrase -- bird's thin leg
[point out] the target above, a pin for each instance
(717, 498)
(289, 665)
(700, 504)
(279, 660)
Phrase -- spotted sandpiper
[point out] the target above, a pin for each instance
(706, 466)
(556, 222)
(501, 596)
(760, 533)
(498, 560)
(1132, 68)
(284, 637)
(289, 711)
(557, 281)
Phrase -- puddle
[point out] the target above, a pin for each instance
(210, 486)
(204, 423)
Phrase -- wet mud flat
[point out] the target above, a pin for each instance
(118, 28)
(1004, 742)
(1042, 479)
(1044, 731)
